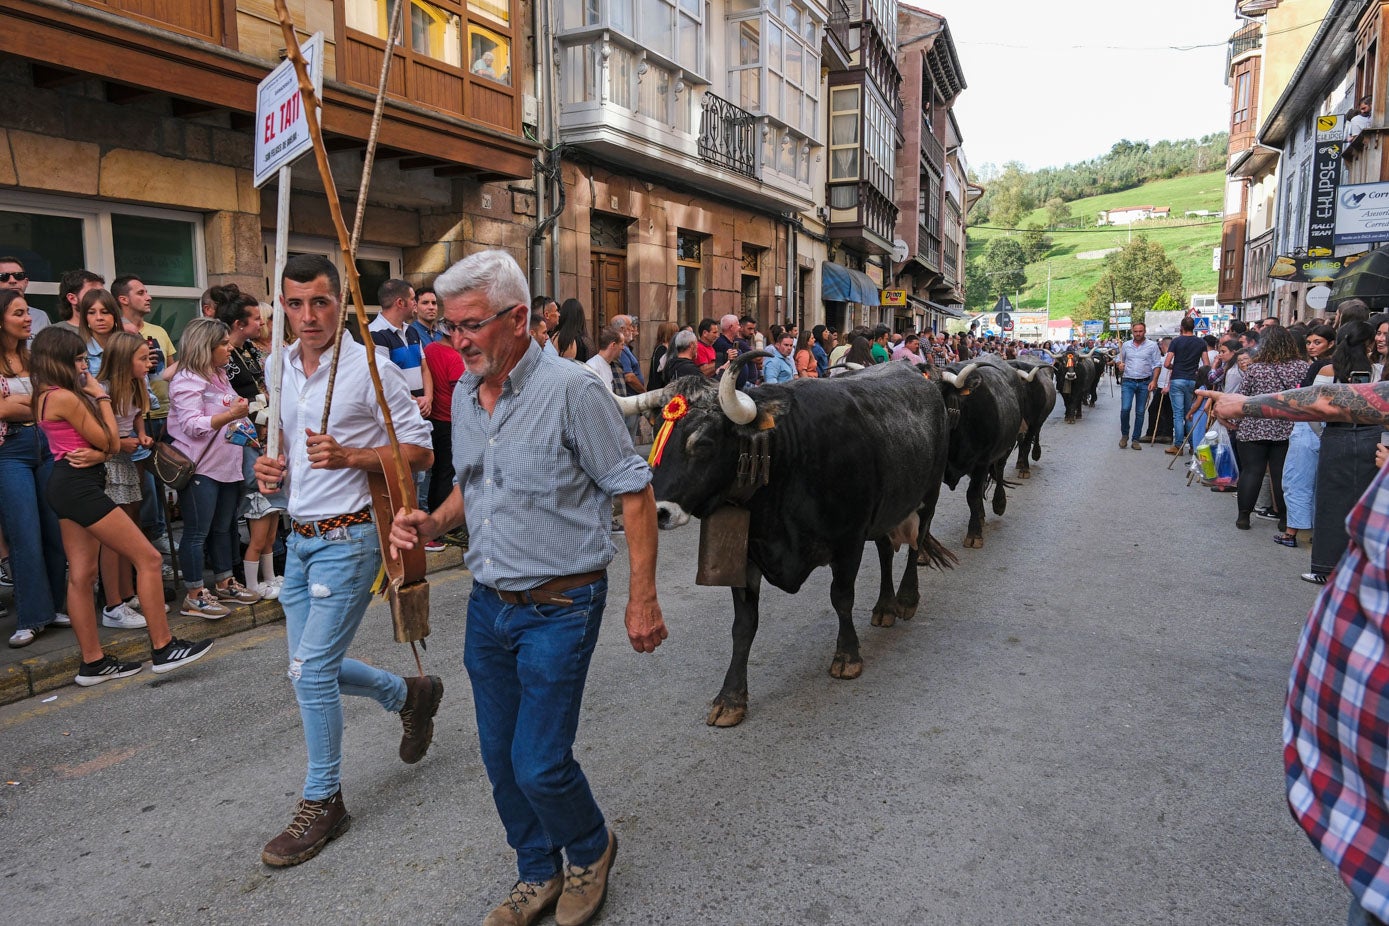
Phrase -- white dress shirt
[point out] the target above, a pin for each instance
(356, 421)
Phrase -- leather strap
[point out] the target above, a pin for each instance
(385, 501)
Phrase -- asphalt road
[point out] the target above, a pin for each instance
(1081, 726)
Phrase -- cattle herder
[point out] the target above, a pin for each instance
(539, 447)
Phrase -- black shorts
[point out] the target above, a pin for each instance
(79, 494)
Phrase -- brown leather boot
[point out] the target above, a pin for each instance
(585, 888)
(529, 901)
(422, 696)
(314, 824)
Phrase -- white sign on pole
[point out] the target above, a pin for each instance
(281, 131)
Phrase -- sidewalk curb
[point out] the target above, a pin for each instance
(58, 669)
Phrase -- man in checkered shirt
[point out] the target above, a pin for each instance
(1336, 723)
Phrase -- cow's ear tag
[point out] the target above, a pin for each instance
(966, 391)
(765, 422)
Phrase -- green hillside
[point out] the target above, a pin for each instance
(1190, 243)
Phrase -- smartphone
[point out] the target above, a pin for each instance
(1358, 377)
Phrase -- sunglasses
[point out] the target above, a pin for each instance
(14, 275)
(471, 327)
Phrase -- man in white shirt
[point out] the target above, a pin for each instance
(609, 349)
(334, 556)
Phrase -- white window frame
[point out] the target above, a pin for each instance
(98, 243)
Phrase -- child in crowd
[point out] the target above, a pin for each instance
(75, 414)
(127, 363)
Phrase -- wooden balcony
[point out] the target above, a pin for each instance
(211, 20)
(932, 151)
(862, 215)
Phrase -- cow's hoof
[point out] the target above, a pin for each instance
(906, 608)
(726, 714)
(846, 667)
(1024, 474)
(884, 616)
(974, 543)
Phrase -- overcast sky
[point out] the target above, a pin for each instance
(1055, 83)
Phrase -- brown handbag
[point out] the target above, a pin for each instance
(173, 467)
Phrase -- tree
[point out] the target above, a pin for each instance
(1140, 273)
(1058, 212)
(1005, 266)
(976, 284)
(1035, 243)
(1010, 200)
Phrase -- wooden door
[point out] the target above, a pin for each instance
(609, 288)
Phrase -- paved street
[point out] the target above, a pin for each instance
(1079, 727)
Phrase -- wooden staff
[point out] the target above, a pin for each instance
(409, 602)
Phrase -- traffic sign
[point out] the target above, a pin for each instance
(281, 130)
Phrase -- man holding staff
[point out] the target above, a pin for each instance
(334, 554)
(540, 448)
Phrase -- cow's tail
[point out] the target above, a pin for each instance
(935, 554)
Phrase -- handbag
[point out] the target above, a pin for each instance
(173, 467)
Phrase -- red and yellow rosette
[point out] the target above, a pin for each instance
(675, 409)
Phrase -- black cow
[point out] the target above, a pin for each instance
(988, 395)
(1101, 359)
(854, 458)
(1075, 374)
(1038, 399)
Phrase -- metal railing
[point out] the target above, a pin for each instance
(726, 135)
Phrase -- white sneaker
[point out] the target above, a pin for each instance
(270, 590)
(60, 620)
(122, 616)
(161, 543)
(166, 572)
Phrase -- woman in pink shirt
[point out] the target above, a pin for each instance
(202, 405)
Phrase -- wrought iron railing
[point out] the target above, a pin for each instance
(726, 134)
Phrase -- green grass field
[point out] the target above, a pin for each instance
(1190, 243)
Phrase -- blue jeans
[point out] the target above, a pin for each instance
(1359, 916)
(326, 592)
(528, 665)
(152, 508)
(37, 560)
(1182, 392)
(209, 517)
(1135, 395)
(1300, 477)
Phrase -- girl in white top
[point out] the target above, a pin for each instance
(127, 363)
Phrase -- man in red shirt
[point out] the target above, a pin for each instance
(445, 364)
(705, 356)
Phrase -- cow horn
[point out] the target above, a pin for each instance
(959, 379)
(1028, 376)
(850, 365)
(736, 404)
(632, 405)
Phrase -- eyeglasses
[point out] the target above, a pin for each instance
(471, 327)
(16, 276)
(81, 358)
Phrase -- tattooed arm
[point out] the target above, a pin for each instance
(1366, 403)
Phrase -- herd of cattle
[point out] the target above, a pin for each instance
(854, 458)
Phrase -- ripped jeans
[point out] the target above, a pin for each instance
(326, 592)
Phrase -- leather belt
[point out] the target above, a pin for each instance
(318, 528)
(549, 592)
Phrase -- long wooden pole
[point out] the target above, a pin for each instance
(368, 163)
(325, 171)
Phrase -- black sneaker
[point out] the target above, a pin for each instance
(105, 669)
(6, 577)
(1268, 514)
(178, 652)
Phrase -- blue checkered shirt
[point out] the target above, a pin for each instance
(539, 473)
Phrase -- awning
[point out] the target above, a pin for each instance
(840, 284)
(927, 305)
